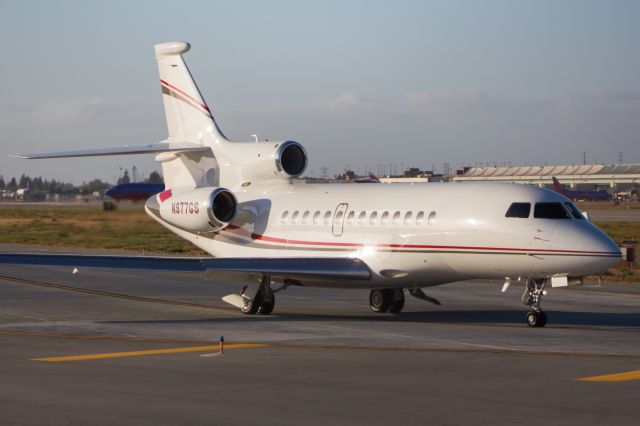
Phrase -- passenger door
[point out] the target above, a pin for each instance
(339, 217)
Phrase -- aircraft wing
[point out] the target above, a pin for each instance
(310, 268)
(152, 148)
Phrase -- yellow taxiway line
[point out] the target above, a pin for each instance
(617, 377)
(149, 352)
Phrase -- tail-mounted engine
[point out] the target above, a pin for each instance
(197, 210)
(290, 159)
(254, 162)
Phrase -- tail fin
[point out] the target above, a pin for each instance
(557, 185)
(188, 116)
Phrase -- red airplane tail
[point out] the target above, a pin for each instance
(556, 185)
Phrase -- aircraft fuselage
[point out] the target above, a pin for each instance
(410, 235)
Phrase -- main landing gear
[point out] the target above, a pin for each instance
(392, 299)
(532, 297)
(263, 301)
(387, 300)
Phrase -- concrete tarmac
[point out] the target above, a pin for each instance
(122, 347)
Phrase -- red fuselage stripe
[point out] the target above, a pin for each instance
(266, 238)
(183, 93)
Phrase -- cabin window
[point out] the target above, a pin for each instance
(521, 210)
(432, 218)
(305, 217)
(350, 217)
(396, 218)
(362, 217)
(574, 211)
(384, 219)
(294, 217)
(316, 217)
(550, 211)
(339, 216)
(285, 216)
(372, 218)
(420, 218)
(407, 219)
(327, 217)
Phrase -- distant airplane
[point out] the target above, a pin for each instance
(21, 193)
(134, 191)
(237, 202)
(581, 195)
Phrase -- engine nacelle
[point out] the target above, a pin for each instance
(198, 210)
(291, 159)
(250, 162)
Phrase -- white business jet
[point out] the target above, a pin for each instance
(236, 201)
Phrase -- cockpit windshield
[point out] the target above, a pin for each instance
(550, 211)
(574, 211)
(521, 210)
(545, 211)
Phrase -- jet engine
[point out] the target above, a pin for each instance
(251, 162)
(198, 210)
(291, 159)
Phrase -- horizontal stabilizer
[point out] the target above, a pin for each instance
(152, 148)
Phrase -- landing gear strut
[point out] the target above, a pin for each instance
(532, 297)
(387, 300)
(263, 301)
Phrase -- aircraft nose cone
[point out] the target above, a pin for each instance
(605, 248)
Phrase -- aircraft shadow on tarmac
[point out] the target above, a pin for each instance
(479, 317)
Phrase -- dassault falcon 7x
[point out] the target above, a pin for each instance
(237, 202)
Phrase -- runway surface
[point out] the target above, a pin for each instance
(108, 347)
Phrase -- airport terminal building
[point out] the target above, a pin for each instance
(614, 177)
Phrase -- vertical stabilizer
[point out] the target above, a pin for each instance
(189, 119)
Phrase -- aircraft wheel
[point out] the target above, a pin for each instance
(536, 319)
(397, 301)
(251, 306)
(266, 307)
(380, 300)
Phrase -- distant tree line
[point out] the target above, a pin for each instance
(40, 185)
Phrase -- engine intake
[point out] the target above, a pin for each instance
(223, 206)
(291, 159)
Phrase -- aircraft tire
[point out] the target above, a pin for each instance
(536, 319)
(379, 300)
(266, 307)
(251, 307)
(397, 301)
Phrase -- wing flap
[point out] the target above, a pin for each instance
(152, 148)
(324, 268)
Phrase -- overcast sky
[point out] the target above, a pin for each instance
(359, 83)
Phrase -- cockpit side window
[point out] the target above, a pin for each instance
(574, 211)
(519, 210)
(550, 211)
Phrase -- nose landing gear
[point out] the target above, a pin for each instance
(532, 297)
